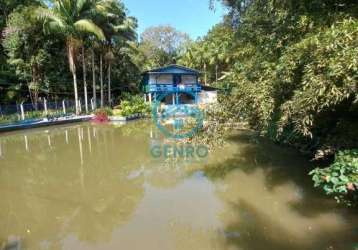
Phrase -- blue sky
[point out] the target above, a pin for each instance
(191, 16)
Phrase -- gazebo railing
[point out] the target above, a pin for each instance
(173, 88)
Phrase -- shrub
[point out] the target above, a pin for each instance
(340, 178)
(6, 119)
(132, 105)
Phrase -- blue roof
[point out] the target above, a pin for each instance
(173, 69)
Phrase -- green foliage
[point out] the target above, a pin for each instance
(213, 54)
(328, 76)
(25, 45)
(160, 46)
(340, 178)
(30, 115)
(291, 68)
(8, 119)
(131, 105)
(37, 38)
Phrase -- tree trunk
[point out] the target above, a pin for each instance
(94, 81)
(216, 73)
(109, 84)
(205, 78)
(33, 86)
(30, 93)
(84, 78)
(74, 76)
(71, 61)
(101, 76)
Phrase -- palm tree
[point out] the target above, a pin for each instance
(72, 18)
(94, 95)
(124, 31)
(84, 75)
(101, 77)
(117, 28)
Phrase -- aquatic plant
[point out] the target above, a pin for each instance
(340, 179)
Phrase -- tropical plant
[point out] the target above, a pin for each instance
(27, 49)
(161, 45)
(118, 29)
(130, 105)
(71, 19)
(291, 68)
(340, 179)
(213, 54)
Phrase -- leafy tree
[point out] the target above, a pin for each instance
(109, 15)
(292, 71)
(213, 54)
(7, 74)
(161, 45)
(27, 49)
(71, 19)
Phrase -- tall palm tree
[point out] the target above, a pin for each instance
(101, 77)
(72, 18)
(84, 69)
(94, 94)
(119, 34)
(117, 28)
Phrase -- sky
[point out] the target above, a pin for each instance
(191, 16)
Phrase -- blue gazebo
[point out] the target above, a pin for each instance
(179, 84)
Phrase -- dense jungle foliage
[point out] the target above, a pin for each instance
(72, 49)
(292, 70)
(65, 48)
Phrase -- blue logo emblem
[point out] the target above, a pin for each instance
(178, 121)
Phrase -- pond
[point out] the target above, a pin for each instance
(88, 186)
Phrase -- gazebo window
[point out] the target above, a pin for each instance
(188, 79)
(165, 79)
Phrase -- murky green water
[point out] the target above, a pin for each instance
(98, 187)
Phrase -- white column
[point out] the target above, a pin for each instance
(145, 98)
(45, 106)
(92, 104)
(22, 111)
(173, 98)
(79, 106)
(64, 107)
(150, 98)
(176, 98)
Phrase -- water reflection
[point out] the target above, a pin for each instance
(269, 202)
(97, 187)
(56, 188)
(1, 154)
